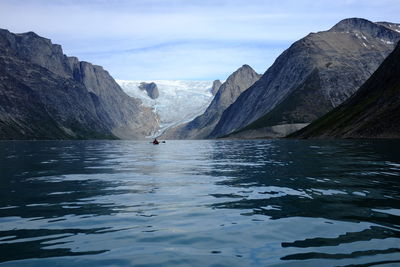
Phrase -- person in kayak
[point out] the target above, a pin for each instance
(155, 142)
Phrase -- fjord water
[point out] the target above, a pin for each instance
(200, 203)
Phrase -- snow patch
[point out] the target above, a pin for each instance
(386, 41)
(178, 102)
(360, 36)
(395, 27)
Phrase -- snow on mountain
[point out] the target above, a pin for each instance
(178, 102)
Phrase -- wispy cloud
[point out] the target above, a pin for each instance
(193, 60)
(181, 39)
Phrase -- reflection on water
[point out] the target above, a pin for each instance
(200, 203)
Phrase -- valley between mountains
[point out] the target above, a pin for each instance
(341, 82)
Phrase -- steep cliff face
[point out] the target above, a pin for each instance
(313, 76)
(372, 112)
(215, 87)
(47, 95)
(201, 126)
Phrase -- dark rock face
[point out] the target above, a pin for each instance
(151, 89)
(215, 87)
(201, 126)
(47, 95)
(311, 77)
(372, 112)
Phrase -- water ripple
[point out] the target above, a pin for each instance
(200, 203)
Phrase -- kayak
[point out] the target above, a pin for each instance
(156, 142)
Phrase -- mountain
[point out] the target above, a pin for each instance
(47, 95)
(310, 78)
(150, 88)
(372, 112)
(201, 126)
(215, 87)
(179, 101)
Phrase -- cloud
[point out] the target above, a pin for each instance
(182, 38)
(188, 60)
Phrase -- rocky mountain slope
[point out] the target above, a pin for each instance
(151, 89)
(372, 112)
(215, 87)
(47, 95)
(310, 78)
(201, 126)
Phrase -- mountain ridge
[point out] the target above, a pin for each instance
(372, 112)
(77, 100)
(201, 126)
(344, 56)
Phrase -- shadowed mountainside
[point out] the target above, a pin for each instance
(47, 95)
(201, 126)
(316, 74)
(372, 112)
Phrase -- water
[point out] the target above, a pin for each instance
(200, 203)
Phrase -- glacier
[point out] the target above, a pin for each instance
(179, 101)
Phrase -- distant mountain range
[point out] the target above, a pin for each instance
(47, 95)
(310, 78)
(372, 112)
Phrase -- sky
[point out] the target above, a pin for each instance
(182, 39)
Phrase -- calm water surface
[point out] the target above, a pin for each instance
(200, 203)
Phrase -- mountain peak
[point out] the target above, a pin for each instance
(377, 29)
(215, 86)
(352, 24)
(245, 67)
(380, 30)
(30, 33)
(33, 36)
(345, 55)
(243, 70)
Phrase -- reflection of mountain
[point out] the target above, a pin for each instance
(295, 200)
(35, 187)
(295, 183)
(55, 191)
